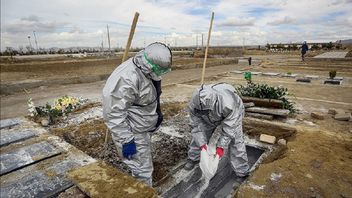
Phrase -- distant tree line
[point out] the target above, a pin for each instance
(20, 51)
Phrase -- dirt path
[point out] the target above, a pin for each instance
(16, 104)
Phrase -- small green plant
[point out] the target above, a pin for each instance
(268, 92)
(248, 76)
(289, 73)
(332, 74)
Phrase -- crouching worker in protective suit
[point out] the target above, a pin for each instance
(211, 106)
(131, 106)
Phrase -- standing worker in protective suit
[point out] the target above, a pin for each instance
(213, 105)
(131, 106)
(304, 49)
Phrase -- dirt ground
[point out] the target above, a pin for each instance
(316, 163)
(68, 68)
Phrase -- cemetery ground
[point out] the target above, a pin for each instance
(316, 161)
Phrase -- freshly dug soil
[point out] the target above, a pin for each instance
(167, 150)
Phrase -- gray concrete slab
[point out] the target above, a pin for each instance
(39, 183)
(289, 75)
(236, 72)
(7, 123)
(311, 76)
(256, 73)
(332, 55)
(304, 80)
(222, 183)
(332, 82)
(24, 156)
(9, 137)
(338, 78)
(270, 74)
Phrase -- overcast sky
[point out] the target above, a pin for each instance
(65, 23)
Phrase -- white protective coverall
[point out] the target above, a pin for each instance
(213, 105)
(131, 104)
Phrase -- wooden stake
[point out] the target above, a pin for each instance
(207, 47)
(130, 37)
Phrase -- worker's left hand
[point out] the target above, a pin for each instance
(219, 152)
(129, 149)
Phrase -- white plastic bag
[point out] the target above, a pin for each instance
(209, 162)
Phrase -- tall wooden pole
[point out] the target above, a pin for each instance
(130, 37)
(207, 47)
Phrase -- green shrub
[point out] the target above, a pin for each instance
(268, 92)
(332, 74)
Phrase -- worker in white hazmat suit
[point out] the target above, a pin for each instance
(213, 105)
(131, 106)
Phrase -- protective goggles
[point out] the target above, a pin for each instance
(156, 68)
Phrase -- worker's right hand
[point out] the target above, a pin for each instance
(129, 149)
(204, 146)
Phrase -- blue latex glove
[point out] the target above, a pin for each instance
(129, 149)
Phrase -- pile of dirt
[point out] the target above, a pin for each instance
(317, 164)
(101, 180)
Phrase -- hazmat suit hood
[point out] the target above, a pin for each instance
(204, 98)
(154, 61)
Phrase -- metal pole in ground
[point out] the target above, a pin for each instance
(36, 42)
(130, 37)
(207, 47)
(107, 28)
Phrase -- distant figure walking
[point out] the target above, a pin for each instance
(250, 61)
(304, 49)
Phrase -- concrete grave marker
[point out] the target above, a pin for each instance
(237, 72)
(311, 77)
(304, 80)
(39, 182)
(332, 82)
(256, 73)
(9, 137)
(289, 75)
(7, 123)
(271, 74)
(25, 156)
